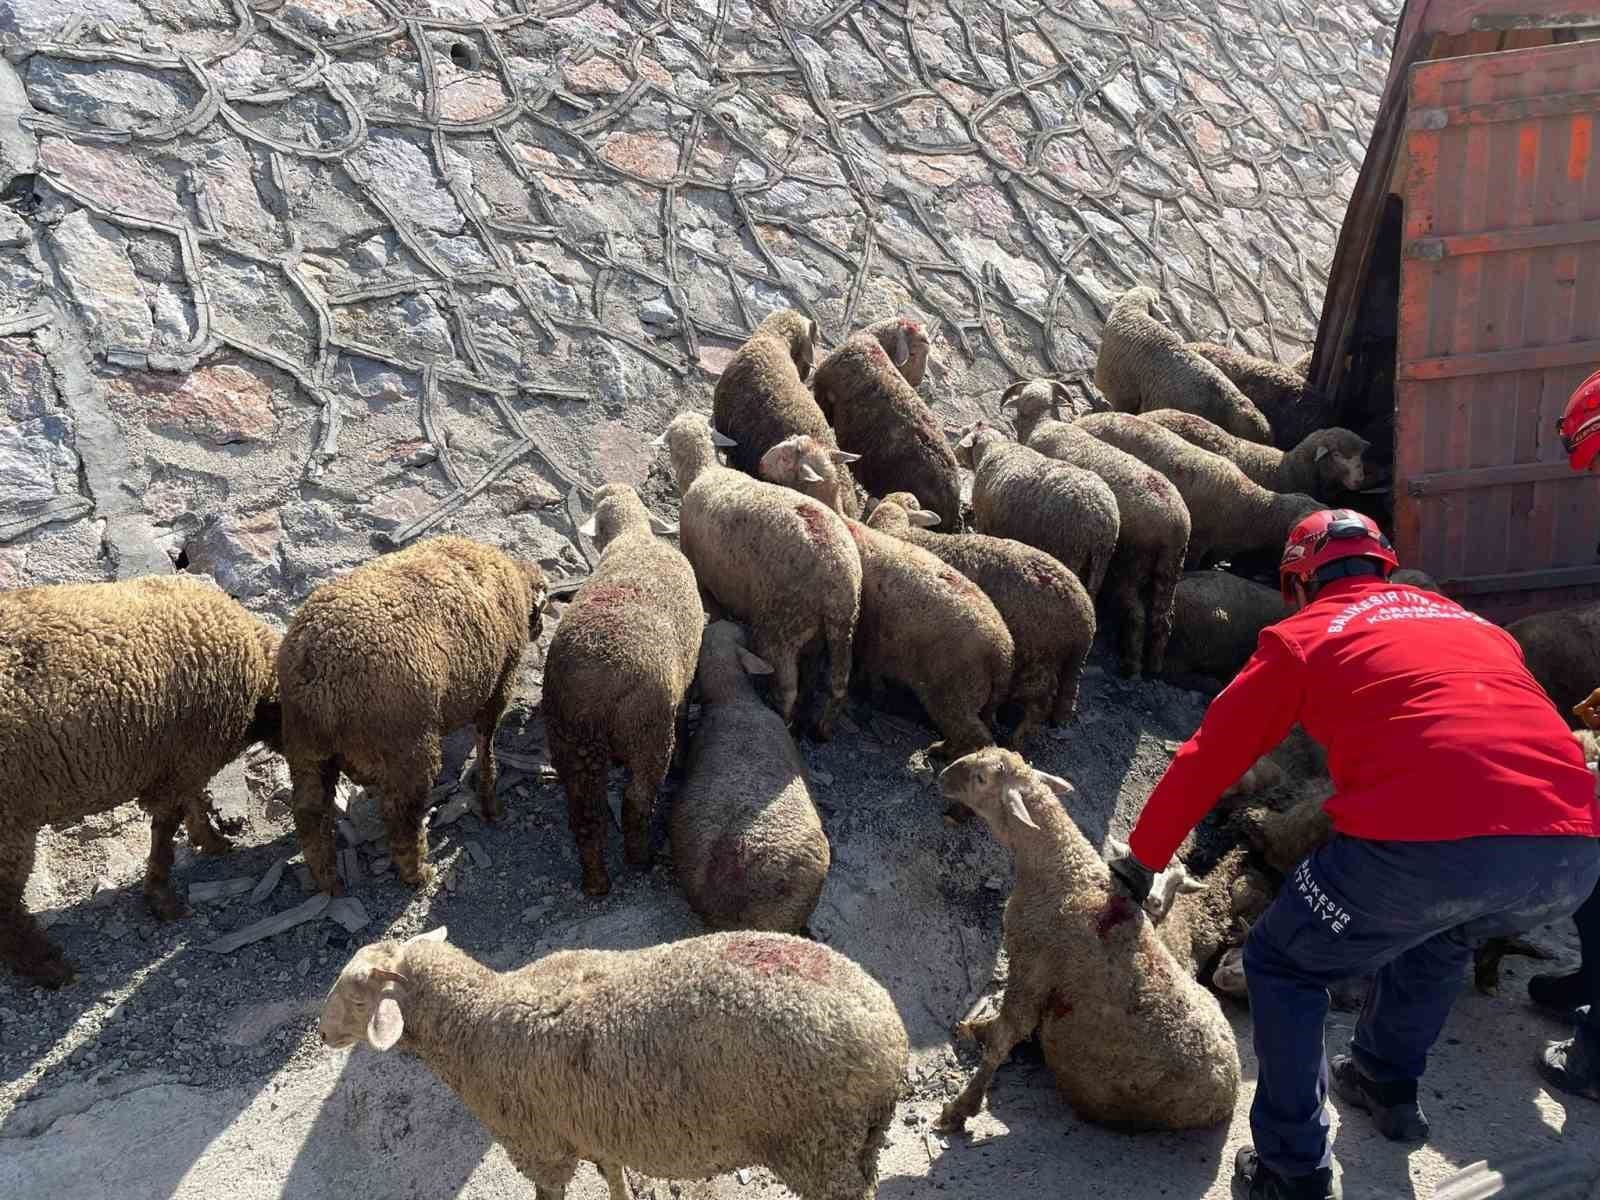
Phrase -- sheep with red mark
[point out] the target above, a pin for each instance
(682, 1061)
(1143, 365)
(1045, 608)
(1132, 1038)
(1064, 510)
(814, 468)
(879, 416)
(905, 341)
(761, 397)
(747, 843)
(1291, 405)
(619, 666)
(783, 563)
(1323, 464)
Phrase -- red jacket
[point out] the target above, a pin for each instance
(1434, 728)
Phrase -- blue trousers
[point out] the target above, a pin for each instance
(1410, 912)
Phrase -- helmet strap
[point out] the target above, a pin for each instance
(1341, 567)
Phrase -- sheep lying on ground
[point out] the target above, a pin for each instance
(1132, 1039)
(761, 397)
(682, 1061)
(879, 416)
(1292, 407)
(746, 840)
(380, 664)
(931, 628)
(781, 562)
(1066, 511)
(1153, 531)
(816, 469)
(1324, 463)
(110, 692)
(1562, 650)
(1284, 838)
(1213, 913)
(906, 343)
(1217, 618)
(1045, 608)
(622, 657)
(1143, 366)
(1228, 514)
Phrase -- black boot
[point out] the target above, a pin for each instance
(1558, 994)
(1393, 1106)
(1267, 1184)
(1574, 1066)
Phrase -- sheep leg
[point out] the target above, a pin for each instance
(964, 730)
(405, 804)
(1163, 576)
(839, 636)
(1071, 677)
(313, 782)
(204, 837)
(23, 944)
(550, 1178)
(489, 721)
(647, 771)
(616, 1181)
(583, 775)
(1131, 621)
(998, 1035)
(158, 893)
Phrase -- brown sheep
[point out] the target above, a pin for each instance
(110, 692)
(620, 662)
(1324, 464)
(1562, 650)
(380, 664)
(878, 415)
(1143, 365)
(1217, 618)
(906, 343)
(1292, 407)
(1045, 608)
(814, 468)
(761, 397)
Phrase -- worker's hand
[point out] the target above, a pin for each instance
(1131, 877)
(1589, 711)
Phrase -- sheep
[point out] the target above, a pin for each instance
(746, 840)
(1413, 578)
(1132, 1039)
(379, 664)
(1153, 530)
(783, 563)
(1217, 618)
(1066, 511)
(761, 397)
(1212, 913)
(1143, 365)
(1284, 838)
(142, 689)
(906, 343)
(1045, 608)
(619, 665)
(1562, 650)
(1229, 515)
(879, 416)
(1292, 407)
(812, 467)
(1324, 463)
(931, 628)
(683, 1060)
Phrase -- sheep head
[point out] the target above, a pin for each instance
(365, 1003)
(692, 445)
(898, 512)
(724, 661)
(970, 440)
(617, 510)
(1175, 881)
(1336, 454)
(538, 595)
(1003, 789)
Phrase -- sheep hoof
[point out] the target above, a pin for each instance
(638, 855)
(43, 963)
(421, 877)
(598, 884)
(952, 1119)
(166, 906)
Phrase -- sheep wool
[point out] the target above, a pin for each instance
(620, 662)
(1562, 650)
(379, 664)
(1324, 464)
(761, 397)
(1292, 407)
(905, 341)
(682, 1061)
(1217, 619)
(816, 469)
(142, 689)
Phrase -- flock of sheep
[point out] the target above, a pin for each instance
(146, 688)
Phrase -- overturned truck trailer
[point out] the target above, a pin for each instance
(1463, 303)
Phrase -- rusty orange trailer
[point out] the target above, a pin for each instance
(1463, 302)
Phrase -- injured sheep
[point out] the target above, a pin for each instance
(747, 844)
(1212, 914)
(1217, 618)
(761, 397)
(906, 343)
(928, 626)
(110, 692)
(1143, 366)
(1228, 514)
(1066, 511)
(1133, 1040)
(682, 1061)
(879, 416)
(1562, 650)
(380, 664)
(783, 563)
(816, 469)
(1292, 407)
(1153, 531)
(1324, 464)
(620, 662)
(1045, 608)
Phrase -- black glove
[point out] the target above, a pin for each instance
(1132, 878)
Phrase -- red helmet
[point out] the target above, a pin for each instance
(1579, 425)
(1327, 536)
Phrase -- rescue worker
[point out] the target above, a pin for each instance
(1463, 811)
(1574, 1065)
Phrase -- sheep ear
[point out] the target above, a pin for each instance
(1320, 453)
(386, 1025)
(385, 976)
(922, 517)
(843, 456)
(1190, 884)
(1019, 810)
(721, 439)
(1055, 783)
(590, 527)
(809, 474)
(663, 527)
(902, 352)
(968, 440)
(659, 440)
(1010, 393)
(433, 935)
(754, 664)
(1062, 393)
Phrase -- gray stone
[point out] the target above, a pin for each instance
(173, 315)
(404, 175)
(37, 20)
(113, 95)
(658, 312)
(13, 229)
(25, 460)
(95, 264)
(240, 553)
